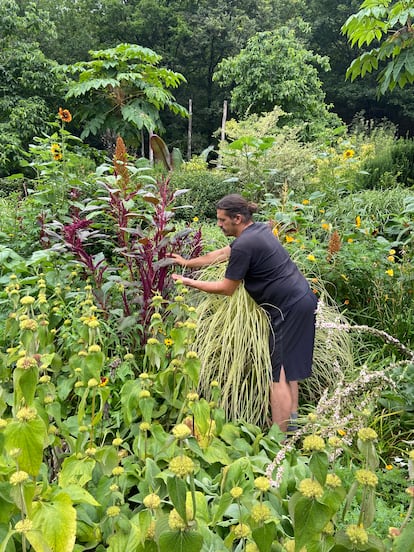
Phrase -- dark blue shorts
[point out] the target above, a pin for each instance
(291, 341)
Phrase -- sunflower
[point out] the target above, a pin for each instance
(348, 154)
(56, 152)
(65, 115)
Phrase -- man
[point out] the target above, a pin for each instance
(257, 258)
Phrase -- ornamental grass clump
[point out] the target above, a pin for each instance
(233, 345)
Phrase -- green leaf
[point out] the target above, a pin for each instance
(76, 471)
(30, 438)
(78, 495)
(318, 465)
(56, 522)
(264, 536)
(202, 415)
(177, 489)
(25, 382)
(180, 541)
(219, 509)
(310, 519)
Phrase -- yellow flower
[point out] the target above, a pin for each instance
(182, 465)
(326, 226)
(28, 324)
(144, 394)
(175, 521)
(241, 531)
(310, 488)
(357, 534)
(152, 501)
(26, 363)
(329, 529)
(313, 443)
(181, 431)
(366, 477)
(236, 492)
(334, 442)
(113, 511)
(94, 349)
(27, 300)
(348, 154)
(350, 240)
(145, 426)
(289, 239)
(392, 252)
(342, 432)
(389, 467)
(193, 396)
(104, 381)
(305, 202)
(64, 115)
(358, 221)
(333, 481)
(311, 258)
(391, 258)
(262, 483)
(195, 219)
(367, 434)
(18, 477)
(390, 272)
(117, 441)
(168, 342)
(91, 321)
(118, 470)
(26, 414)
(150, 534)
(90, 451)
(260, 512)
(23, 526)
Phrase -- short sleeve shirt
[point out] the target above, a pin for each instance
(269, 274)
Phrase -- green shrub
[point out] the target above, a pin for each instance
(205, 188)
(397, 161)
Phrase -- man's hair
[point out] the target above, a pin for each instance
(235, 204)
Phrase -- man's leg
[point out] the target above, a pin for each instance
(282, 401)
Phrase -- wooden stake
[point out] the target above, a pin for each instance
(190, 130)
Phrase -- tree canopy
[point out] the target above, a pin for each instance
(124, 91)
(276, 69)
(388, 25)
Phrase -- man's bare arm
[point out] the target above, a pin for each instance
(213, 257)
(221, 287)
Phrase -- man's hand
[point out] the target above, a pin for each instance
(178, 259)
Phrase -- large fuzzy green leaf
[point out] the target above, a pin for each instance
(29, 437)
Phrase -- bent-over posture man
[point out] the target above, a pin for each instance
(276, 284)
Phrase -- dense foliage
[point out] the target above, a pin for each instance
(134, 412)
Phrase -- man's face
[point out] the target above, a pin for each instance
(228, 224)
